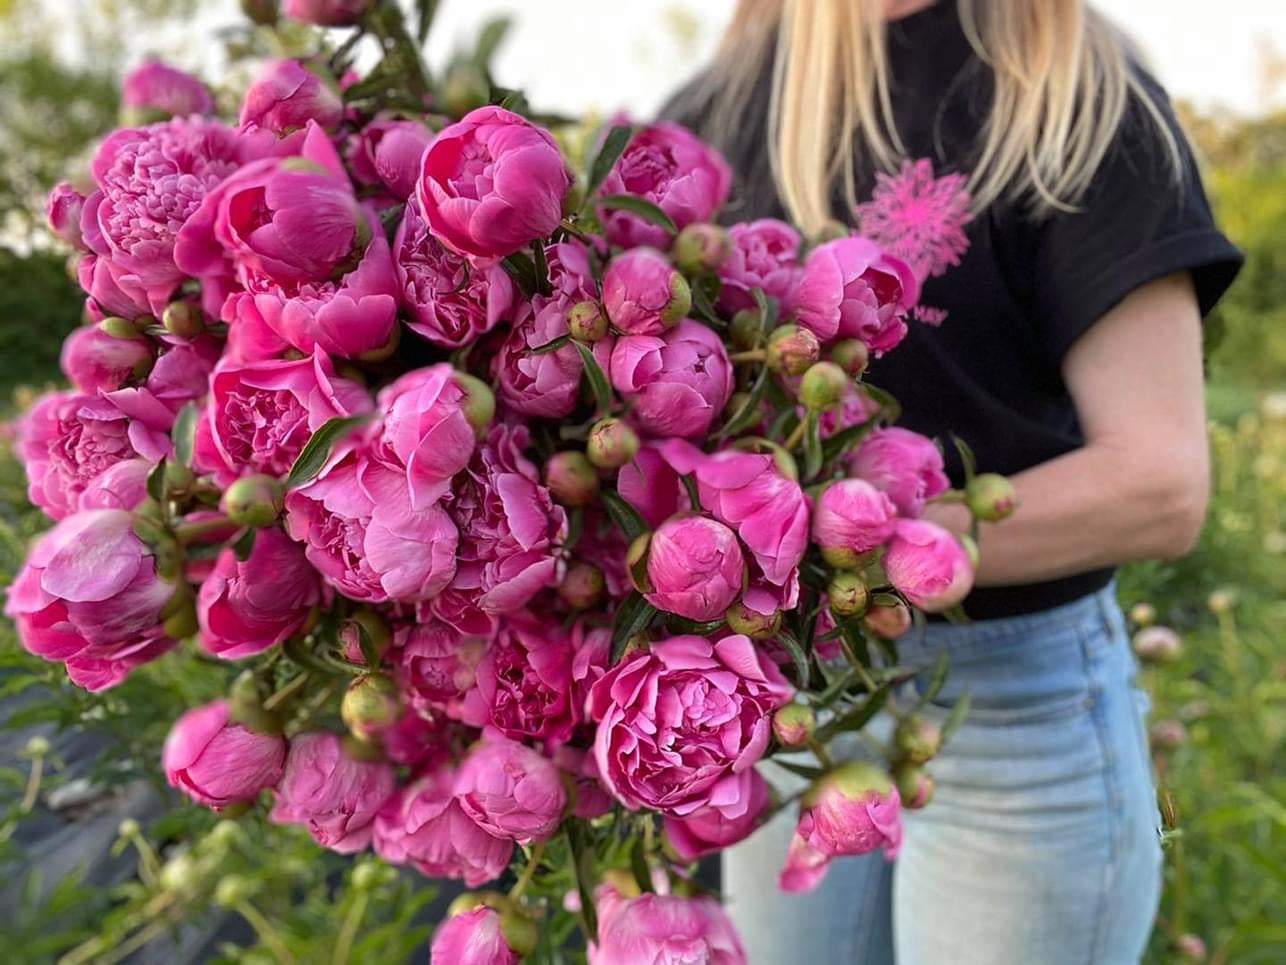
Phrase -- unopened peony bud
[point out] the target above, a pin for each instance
(262, 12)
(745, 328)
(586, 322)
(180, 873)
(751, 623)
(583, 586)
(792, 349)
(571, 478)
(118, 327)
(465, 903)
(466, 88)
(636, 557)
(701, 248)
(183, 319)
(232, 890)
(370, 706)
(852, 355)
(479, 403)
(915, 787)
(1158, 645)
(918, 740)
(823, 386)
(373, 625)
(848, 595)
(254, 501)
(1166, 735)
(1143, 614)
(1190, 947)
(521, 933)
(1220, 601)
(183, 622)
(245, 706)
(794, 725)
(991, 497)
(367, 876)
(612, 443)
(889, 622)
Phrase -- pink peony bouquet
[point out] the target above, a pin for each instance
(529, 507)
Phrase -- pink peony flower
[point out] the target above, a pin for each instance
(765, 255)
(491, 183)
(653, 929)
(416, 742)
(850, 288)
(181, 375)
(733, 813)
(678, 720)
(643, 293)
(424, 826)
(121, 486)
(524, 682)
(286, 95)
(851, 518)
(111, 290)
(216, 762)
(472, 938)
(94, 360)
(435, 665)
(246, 607)
(450, 302)
(678, 383)
(89, 596)
(904, 465)
(334, 796)
(260, 415)
(927, 565)
(650, 484)
(325, 13)
(63, 207)
(387, 152)
(154, 91)
(669, 166)
(591, 799)
(511, 791)
(695, 567)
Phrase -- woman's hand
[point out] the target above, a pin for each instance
(1138, 487)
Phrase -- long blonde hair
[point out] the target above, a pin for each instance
(1062, 81)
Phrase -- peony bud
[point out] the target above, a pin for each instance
(118, 327)
(583, 586)
(373, 625)
(571, 478)
(745, 328)
(751, 623)
(792, 349)
(889, 622)
(479, 402)
(262, 12)
(465, 89)
(848, 595)
(852, 355)
(701, 248)
(991, 497)
(520, 932)
(636, 557)
(612, 443)
(183, 319)
(794, 725)
(232, 890)
(254, 501)
(1143, 614)
(1158, 645)
(1221, 601)
(918, 740)
(326, 13)
(94, 360)
(915, 787)
(823, 386)
(370, 706)
(643, 294)
(586, 322)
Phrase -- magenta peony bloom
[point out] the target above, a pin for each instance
(63, 207)
(903, 464)
(669, 166)
(325, 13)
(592, 800)
(850, 288)
(435, 665)
(472, 938)
(246, 607)
(260, 415)
(851, 518)
(706, 718)
(927, 565)
(387, 152)
(650, 484)
(216, 762)
(678, 383)
(335, 797)
(94, 360)
(360, 531)
(735, 807)
(695, 567)
(643, 293)
(155, 91)
(181, 375)
(450, 302)
(765, 255)
(510, 527)
(653, 929)
(424, 826)
(111, 290)
(286, 95)
(122, 486)
(491, 183)
(511, 790)
(89, 596)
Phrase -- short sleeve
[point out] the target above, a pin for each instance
(1137, 223)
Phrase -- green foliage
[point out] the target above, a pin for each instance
(39, 305)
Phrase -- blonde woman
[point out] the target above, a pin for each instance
(1069, 357)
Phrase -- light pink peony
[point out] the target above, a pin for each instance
(928, 566)
(643, 293)
(216, 762)
(765, 255)
(325, 13)
(678, 383)
(678, 720)
(655, 929)
(286, 95)
(491, 183)
(246, 607)
(511, 790)
(472, 938)
(903, 464)
(852, 518)
(387, 152)
(88, 596)
(63, 207)
(260, 415)
(424, 826)
(735, 809)
(335, 797)
(695, 567)
(156, 88)
(850, 288)
(669, 166)
(94, 360)
(450, 302)
(435, 665)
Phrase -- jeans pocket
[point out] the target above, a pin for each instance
(985, 711)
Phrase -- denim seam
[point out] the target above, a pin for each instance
(1094, 660)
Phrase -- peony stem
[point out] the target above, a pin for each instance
(284, 695)
(796, 436)
(187, 532)
(267, 934)
(575, 232)
(750, 355)
(348, 931)
(33, 784)
(821, 754)
(529, 872)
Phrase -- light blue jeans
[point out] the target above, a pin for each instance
(1041, 845)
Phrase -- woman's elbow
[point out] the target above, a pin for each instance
(1178, 508)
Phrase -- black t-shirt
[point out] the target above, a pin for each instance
(1024, 289)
